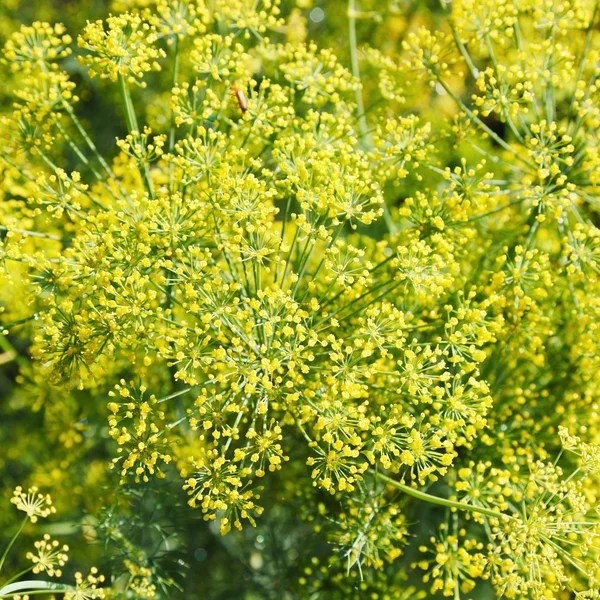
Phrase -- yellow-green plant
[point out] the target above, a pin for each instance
(293, 298)
(49, 557)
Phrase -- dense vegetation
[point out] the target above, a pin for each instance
(300, 299)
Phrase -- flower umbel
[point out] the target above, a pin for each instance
(33, 503)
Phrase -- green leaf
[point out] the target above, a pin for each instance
(26, 586)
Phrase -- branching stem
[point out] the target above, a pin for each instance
(132, 126)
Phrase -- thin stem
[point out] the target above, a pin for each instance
(22, 321)
(461, 47)
(289, 258)
(443, 501)
(481, 124)
(360, 107)
(55, 169)
(496, 210)
(172, 132)
(132, 126)
(37, 592)
(359, 298)
(549, 92)
(130, 117)
(18, 168)
(10, 544)
(46, 236)
(86, 138)
(282, 234)
(84, 159)
(583, 58)
(588, 41)
(176, 394)
(424, 495)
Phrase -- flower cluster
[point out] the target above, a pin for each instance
(287, 298)
(48, 556)
(33, 503)
(86, 588)
(123, 47)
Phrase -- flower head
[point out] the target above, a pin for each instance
(33, 503)
(49, 556)
(86, 588)
(124, 45)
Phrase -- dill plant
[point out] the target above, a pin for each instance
(352, 296)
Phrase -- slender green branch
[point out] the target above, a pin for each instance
(582, 60)
(360, 107)
(85, 161)
(86, 138)
(54, 590)
(18, 168)
(130, 117)
(461, 47)
(14, 539)
(21, 321)
(172, 131)
(54, 168)
(176, 394)
(481, 124)
(132, 126)
(46, 236)
(442, 501)
(496, 210)
(364, 128)
(424, 495)
(588, 41)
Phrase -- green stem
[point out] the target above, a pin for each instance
(20, 321)
(364, 128)
(496, 210)
(461, 47)
(172, 132)
(130, 117)
(176, 394)
(86, 138)
(54, 168)
(27, 232)
(360, 107)
(18, 168)
(481, 124)
(424, 495)
(582, 60)
(38, 592)
(10, 544)
(442, 501)
(172, 144)
(132, 126)
(85, 161)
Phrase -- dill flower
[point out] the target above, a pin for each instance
(141, 446)
(33, 503)
(87, 587)
(302, 291)
(123, 46)
(40, 44)
(48, 556)
(452, 564)
(180, 18)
